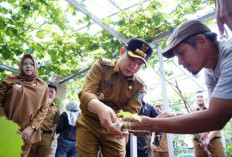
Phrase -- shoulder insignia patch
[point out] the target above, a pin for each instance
(140, 80)
(140, 96)
(107, 62)
(11, 79)
(12, 76)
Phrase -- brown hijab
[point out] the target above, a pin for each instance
(26, 94)
(22, 75)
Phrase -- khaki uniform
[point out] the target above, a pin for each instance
(42, 148)
(215, 145)
(11, 84)
(106, 81)
(162, 149)
(215, 148)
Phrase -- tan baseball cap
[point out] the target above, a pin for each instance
(183, 31)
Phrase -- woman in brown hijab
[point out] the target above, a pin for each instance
(23, 99)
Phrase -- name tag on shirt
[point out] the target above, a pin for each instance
(108, 83)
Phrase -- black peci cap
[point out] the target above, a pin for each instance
(138, 48)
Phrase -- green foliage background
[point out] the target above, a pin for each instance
(41, 27)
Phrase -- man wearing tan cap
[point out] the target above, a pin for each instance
(109, 87)
(196, 47)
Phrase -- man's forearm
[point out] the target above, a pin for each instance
(214, 118)
(95, 106)
(181, 124)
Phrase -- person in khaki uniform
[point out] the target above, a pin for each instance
(48, 127)
(160, 145)
(23, 99)
(212, 139)
(110, 86)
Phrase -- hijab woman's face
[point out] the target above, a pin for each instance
(28, 66)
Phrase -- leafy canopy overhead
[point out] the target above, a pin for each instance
(45, 29)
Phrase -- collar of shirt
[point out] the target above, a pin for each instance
(116, 67)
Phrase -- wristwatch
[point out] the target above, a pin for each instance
(33, 127)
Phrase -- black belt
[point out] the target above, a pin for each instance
(45, 132)
(72, 140)
(210, 140)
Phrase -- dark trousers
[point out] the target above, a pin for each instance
(66, 148)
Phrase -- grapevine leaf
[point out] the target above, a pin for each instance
(10, 141)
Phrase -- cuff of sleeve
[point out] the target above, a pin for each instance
(85, 101)
(132, 109)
